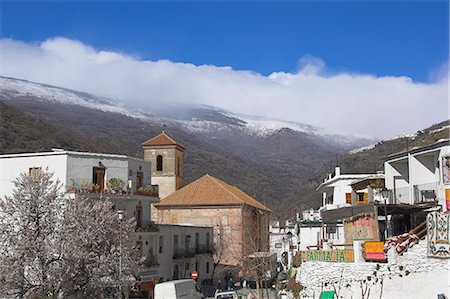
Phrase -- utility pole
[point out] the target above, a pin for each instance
(121, 215)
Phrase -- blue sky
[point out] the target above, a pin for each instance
(399, 38)
(377, 68)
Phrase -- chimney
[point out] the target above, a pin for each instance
(337, 171)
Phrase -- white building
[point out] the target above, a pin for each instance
(171, 251)
(76, 169)
(337, 191)
(421, 175)
(309, 230)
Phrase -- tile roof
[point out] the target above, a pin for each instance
(161, 139)
(207, 191)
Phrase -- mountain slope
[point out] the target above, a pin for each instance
(372, 159)
(280, 163)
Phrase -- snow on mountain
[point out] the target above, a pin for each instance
(198, 119)
(47, 93)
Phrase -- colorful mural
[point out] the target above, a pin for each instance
(438, 235)
(363, 227)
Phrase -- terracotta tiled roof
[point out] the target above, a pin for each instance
(161, 139)
(207, 191)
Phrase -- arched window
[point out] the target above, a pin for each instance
(159, 163)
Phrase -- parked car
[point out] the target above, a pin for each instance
(226, 295)
(175, 289)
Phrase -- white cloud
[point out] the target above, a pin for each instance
(359, 103)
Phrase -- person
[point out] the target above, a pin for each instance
(230, 284)
(218, 287)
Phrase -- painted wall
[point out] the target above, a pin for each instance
(12, 167)
(427, 277)
(309, 236)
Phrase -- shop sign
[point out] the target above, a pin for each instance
(327, 255)
(362, 227)
(373, 251)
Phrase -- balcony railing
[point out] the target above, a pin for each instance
(181, 253)
(150, 227)
(425, 193)
(149, 190)
(202, 249)
(402, 195)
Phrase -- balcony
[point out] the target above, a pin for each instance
(425, 193)
(402, 195)
(203, 249)
(114, 186)
(181, 253)
(151, 227)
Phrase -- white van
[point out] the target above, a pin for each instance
(183, 288)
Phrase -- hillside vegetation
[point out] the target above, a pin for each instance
(281, 170)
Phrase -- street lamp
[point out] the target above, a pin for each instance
(385, 193)
(121, 215)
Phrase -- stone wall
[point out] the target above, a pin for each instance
(412, 275)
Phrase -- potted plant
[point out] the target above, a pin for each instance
(96, 188)
(116, 185)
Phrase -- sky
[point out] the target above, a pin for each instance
(372, 68)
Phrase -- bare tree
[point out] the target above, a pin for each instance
(56, 247)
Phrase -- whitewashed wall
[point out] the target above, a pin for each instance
(309, 236)
(427, 278)
(12, 167)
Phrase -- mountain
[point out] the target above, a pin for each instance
(371, 158)
(278, 162)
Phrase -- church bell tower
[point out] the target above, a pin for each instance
(166, 158)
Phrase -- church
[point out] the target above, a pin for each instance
(240, 222)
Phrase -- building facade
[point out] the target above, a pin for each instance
(241, 224)
(78, 170)
(421, 175)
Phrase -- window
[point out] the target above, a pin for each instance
(138, 216)
(35, 172)
(207, 267)
(139, 179)
(159, 163)
(278, 245)
(196, 266)
(178, 167)
(161, 244)
(362, 198)
(330, 199)
(175, 244)
(197, 242)
(208, 240)
(187, 240)
(139, 248)
(348, 198)
(186, 267)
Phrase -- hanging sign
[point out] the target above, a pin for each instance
(373, 251)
